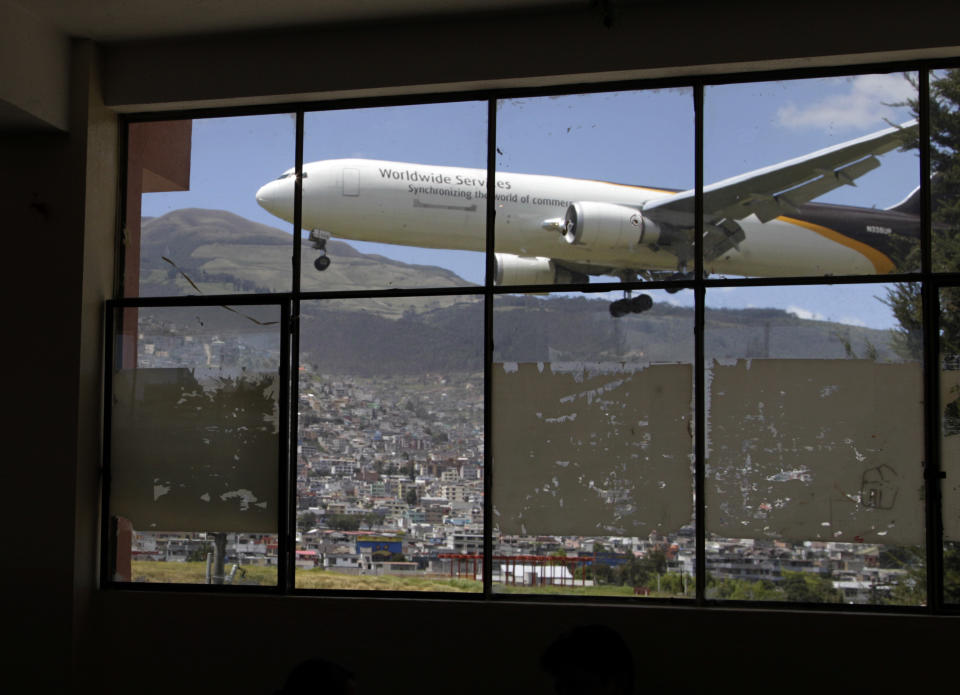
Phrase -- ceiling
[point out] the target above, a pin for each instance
(120, 20)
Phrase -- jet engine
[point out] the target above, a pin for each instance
(607, 226)
(521, 270)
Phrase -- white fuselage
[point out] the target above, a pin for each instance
(445, 207)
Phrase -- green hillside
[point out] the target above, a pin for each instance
(224, 253)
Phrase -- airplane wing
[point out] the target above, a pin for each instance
(776, 190)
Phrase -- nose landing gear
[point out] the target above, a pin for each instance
(319, 239)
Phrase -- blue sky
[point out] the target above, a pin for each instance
(629, 137)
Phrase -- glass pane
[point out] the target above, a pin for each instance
(950, 439)
(814, 486)
(390, 456)
(593, 445)
(561, 218)
(399, 193)
(945, 184)
(805, 177)
(193, 225)
(195, 445)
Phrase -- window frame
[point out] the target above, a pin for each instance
(290, 302)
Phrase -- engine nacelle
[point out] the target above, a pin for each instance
(608, 226)
(521, 270)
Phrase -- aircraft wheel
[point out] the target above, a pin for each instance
(322, 263)
(641, 303)
(619, 308)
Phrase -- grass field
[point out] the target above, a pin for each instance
(194, 573)
(321, 579)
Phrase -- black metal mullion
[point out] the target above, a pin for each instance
(292, 352)
(297, 207)
(931, 464)
(699, 370)
(284, 454)
(490, 273)
(120, 242)
(107, 545)
(926, 195)
(931, 360)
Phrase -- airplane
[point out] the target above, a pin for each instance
(557, 230)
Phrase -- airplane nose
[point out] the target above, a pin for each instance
(273, 198)
(263, 197)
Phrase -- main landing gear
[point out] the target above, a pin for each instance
(630, 305)
(643, 302)
(319, 239)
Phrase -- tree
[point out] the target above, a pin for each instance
(642, 571)
(951, 573)
(411, 497)
(199, 552)
(803, 587)
(634, 572)
(911, 590)
(904, 299)
(746, 590)
(600, 573)
(343, 522)
(657, 561)
(306, 520)
(676, 584)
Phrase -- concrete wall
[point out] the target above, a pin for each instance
(650, 39)
(155, 643)
(34, 72)
(57, 207)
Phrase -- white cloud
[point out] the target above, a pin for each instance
(806, 314)
(863, 106)
(852, 321)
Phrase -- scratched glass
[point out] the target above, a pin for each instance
(593, 447)
(814, 440)
(392, 197)
(807, 177)
(582, 182)
(195, 447)
(193, 225)
(390, 432)
(950, 440)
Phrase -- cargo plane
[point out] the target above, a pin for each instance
(557, 230)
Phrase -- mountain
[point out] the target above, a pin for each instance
(223, 253)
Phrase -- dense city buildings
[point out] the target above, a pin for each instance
(390, 481)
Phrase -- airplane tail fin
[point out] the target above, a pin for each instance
(910, 205)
